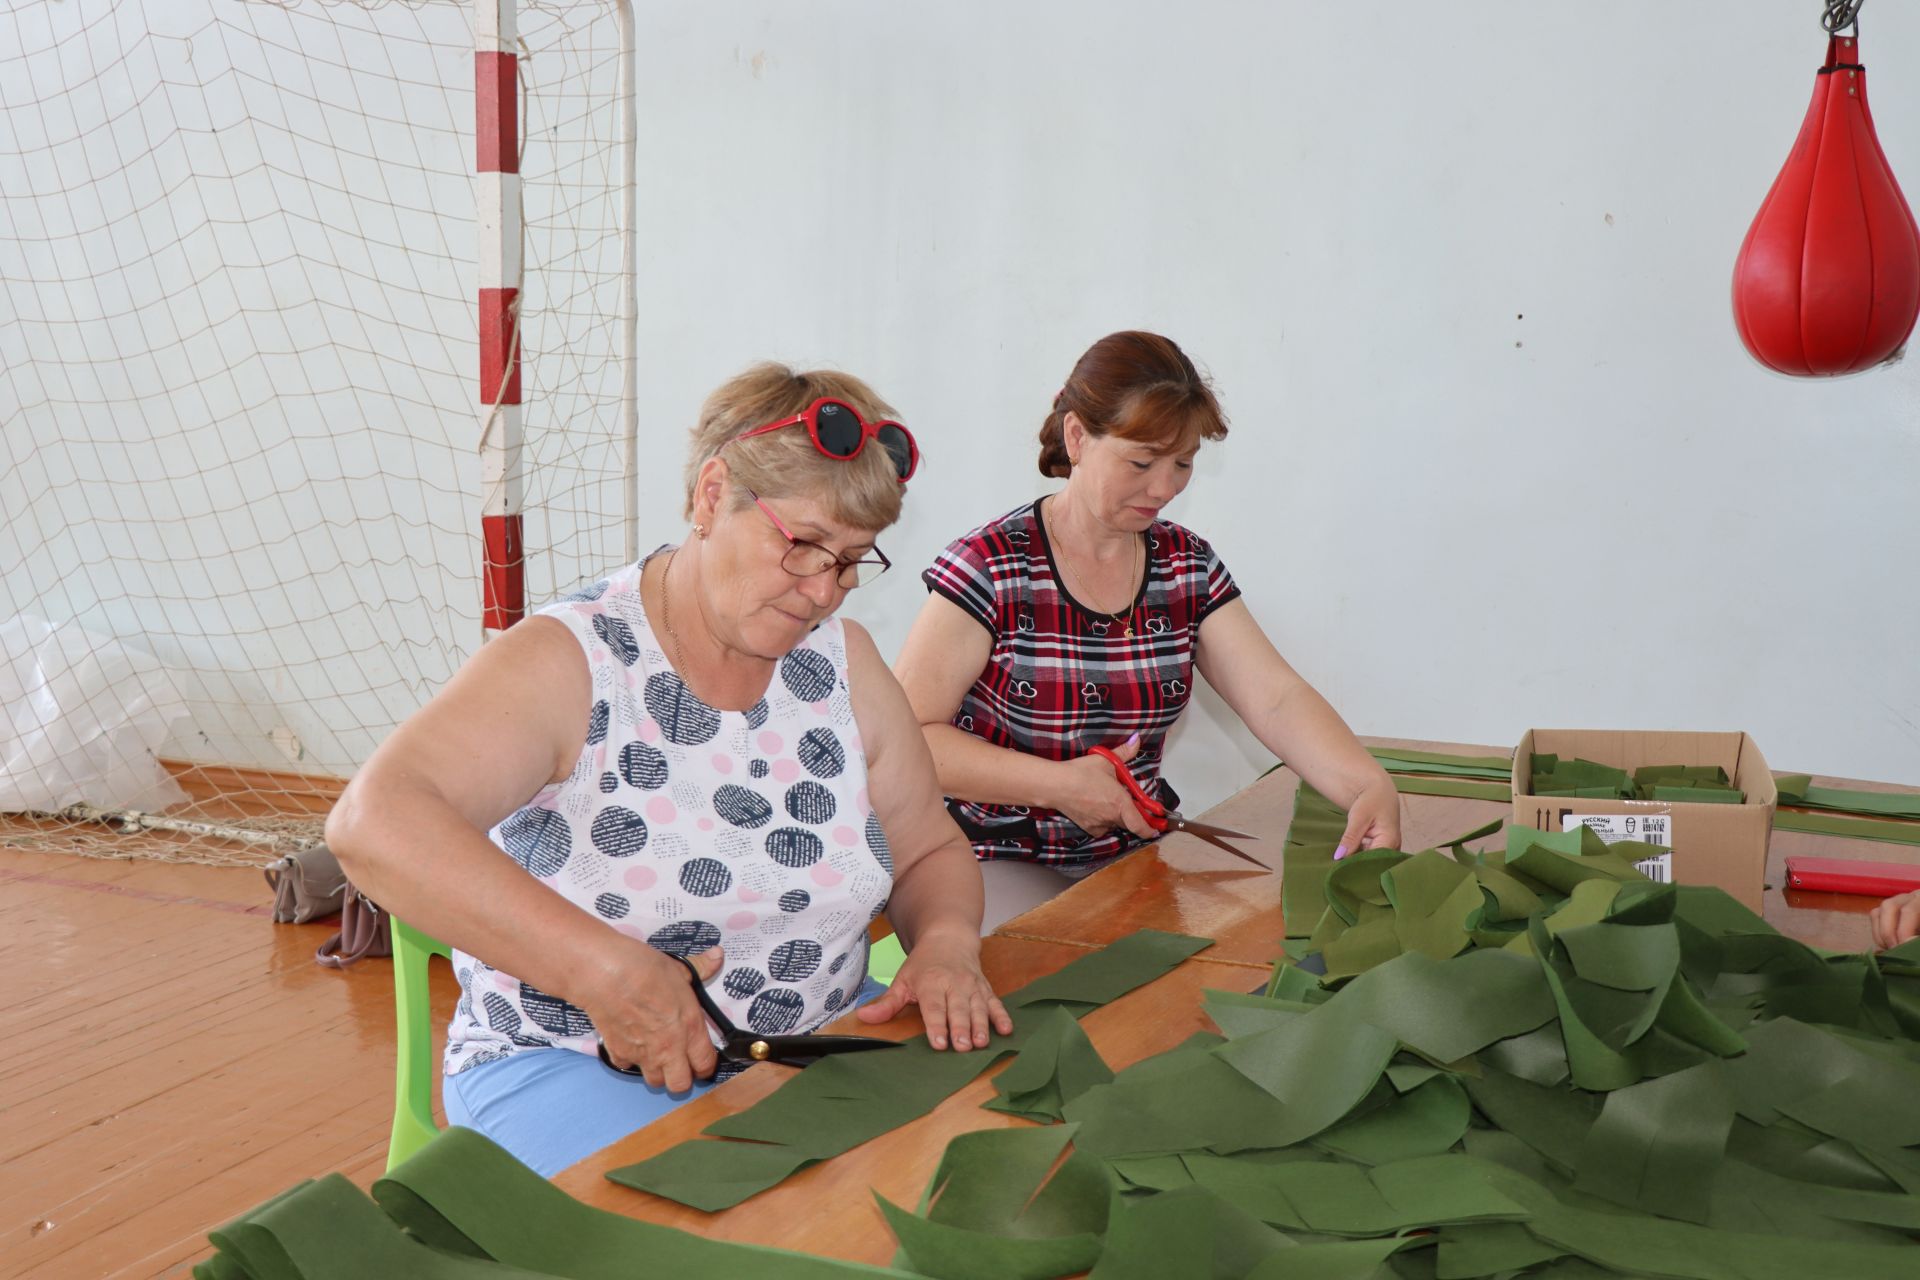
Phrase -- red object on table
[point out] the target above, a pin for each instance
(1163, 819)
(1852, 875)
(1828, 279)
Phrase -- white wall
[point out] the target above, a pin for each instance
(1461, 274)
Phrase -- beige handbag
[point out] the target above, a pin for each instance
(307, 884)
(364, 931)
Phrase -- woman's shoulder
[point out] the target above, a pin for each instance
(605, 613)
(597, 596)
(1008, 531)
(1176, 541)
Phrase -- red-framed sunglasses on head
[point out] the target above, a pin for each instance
(838, 430)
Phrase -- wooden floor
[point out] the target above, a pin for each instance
(173, 1058)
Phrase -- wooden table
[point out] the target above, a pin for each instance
(1183, 885)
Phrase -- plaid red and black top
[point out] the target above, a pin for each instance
(1062, 678)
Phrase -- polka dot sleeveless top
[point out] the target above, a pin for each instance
(688, 827)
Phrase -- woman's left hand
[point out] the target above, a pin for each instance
(942, 975)
(1374, 820)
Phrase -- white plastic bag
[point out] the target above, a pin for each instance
(84, 716)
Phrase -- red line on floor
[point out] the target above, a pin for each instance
(147, 895)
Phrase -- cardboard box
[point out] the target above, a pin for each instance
(1723, 845)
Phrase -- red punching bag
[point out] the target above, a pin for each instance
(1828, 280)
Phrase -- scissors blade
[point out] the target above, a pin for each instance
(1216, 836)
(800, 1051)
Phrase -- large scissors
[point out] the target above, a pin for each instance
(1163, 819)
(747, 1046)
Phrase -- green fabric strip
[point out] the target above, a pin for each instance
(1461, 790)
(840, 1102)
(1504, 764)
(329, 1230)
(1306, 858)
(464, 1194)
(1057, 1065)
(1851, 828)
(1798, 789)
(986, 1214)
(1493, 768)
(463, 1209)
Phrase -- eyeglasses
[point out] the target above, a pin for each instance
(805, 559)
(838, 430)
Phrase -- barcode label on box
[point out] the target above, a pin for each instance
(1658, 868)
(1632, 828)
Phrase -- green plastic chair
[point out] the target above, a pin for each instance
(414, 1064)
(884, 959)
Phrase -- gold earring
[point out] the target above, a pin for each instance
(700, 530)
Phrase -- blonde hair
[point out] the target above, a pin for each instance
(862, 492)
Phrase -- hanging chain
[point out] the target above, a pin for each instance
(1840, 15)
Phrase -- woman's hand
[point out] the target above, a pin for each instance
(1092, 795)
(1896, 920)
(647, 1016)
(1373, 822)
(942, 975)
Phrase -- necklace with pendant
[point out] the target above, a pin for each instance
(1124, 619)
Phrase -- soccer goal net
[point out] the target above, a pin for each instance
(241, 467)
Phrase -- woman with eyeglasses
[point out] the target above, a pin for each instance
(694, 760)
(1079, 621)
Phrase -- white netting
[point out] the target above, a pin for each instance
(237, 384)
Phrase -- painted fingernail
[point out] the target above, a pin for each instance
(1340, 853)
(1132, 741)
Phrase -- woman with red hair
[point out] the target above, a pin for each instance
(1079, 620)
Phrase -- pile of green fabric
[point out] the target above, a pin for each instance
(1590, 780)
(1531, 1062)
(1524, 1062)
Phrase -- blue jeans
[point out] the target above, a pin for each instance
(552, 1108)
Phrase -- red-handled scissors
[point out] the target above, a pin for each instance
(1163, 819)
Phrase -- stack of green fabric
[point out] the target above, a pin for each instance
(1591, 780)
(1580, 779)
(1687, 784)
(1856, 815)
(1440, 773)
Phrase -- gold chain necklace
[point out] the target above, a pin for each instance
(1133, 586)
(666, 615)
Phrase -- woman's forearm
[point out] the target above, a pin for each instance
(971, 769)
(940, 895)
(1304, 730)
(407, 849)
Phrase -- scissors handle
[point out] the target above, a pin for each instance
(746, 1046)
(732, 1042)
(1152, 810)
